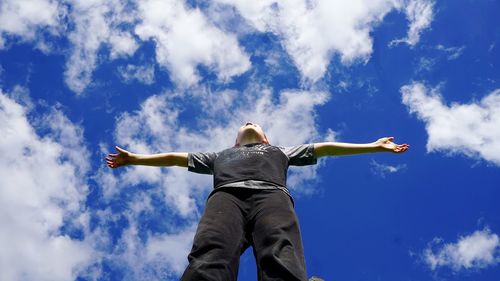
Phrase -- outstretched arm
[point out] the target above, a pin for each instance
(124, 157)
(340, 148)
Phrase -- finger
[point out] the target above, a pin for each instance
(113, 154)
(120, 149)
(401, 149)
(390, 138)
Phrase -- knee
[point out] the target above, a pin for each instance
(209, 270)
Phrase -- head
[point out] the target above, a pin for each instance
(250, 133)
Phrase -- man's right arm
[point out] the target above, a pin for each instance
(161, 159)
(124, 157)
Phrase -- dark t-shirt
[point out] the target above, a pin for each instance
(257, 165)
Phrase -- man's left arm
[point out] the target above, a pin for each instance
(385, 144)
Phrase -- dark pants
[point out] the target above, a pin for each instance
(236, 218)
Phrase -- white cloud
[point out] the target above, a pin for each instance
(141, 256)
(42, 180)
(91, 24)
(452, 52)
(383, 169)
(425, 65)
(142, 73)
(471, 129)
(178, 245)
(185, 39)
(312, 31)
(25, 18)
(477, 250)
(96, 23)
(420, 15)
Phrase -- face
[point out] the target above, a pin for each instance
(251, 128)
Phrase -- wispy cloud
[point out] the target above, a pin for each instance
(425, 65)
(383, 169)
(477, 250)
(420, 15)
(470, 129)
(451, 52)
(142, 73)
(97, 24)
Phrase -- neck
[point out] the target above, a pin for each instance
(250, 139)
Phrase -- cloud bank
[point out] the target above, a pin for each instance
(313, 31)
(42, 180)
(186, 37)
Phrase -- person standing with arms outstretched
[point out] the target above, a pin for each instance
(250, 204)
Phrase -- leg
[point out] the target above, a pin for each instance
(219, 240)
(276, 238)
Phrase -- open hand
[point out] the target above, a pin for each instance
(387, 144)
(119, 159)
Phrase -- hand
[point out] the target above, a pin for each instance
(122, 158)
(387, 145)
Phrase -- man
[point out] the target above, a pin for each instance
(250, 204)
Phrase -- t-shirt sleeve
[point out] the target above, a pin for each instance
(201, 162)
(300, 155)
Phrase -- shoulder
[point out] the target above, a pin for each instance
(271, 147)
(296, 147)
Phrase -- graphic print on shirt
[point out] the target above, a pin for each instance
(253, 162)
(262, 162)
(246, 152)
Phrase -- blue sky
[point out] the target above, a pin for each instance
(78, 77)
